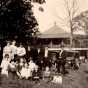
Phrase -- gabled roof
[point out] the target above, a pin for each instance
(54, 32)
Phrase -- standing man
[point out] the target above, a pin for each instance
(61, 61)
(28, 49)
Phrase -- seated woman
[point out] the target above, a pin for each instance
(25, 71)
(12, 69)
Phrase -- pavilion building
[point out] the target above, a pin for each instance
(55, 37)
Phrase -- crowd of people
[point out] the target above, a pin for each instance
(26, 63)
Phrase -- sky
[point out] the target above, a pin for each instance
(55, 12)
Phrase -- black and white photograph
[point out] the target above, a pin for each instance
(43, 43)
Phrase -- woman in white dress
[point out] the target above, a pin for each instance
(5, 65)
(13, 49)
(26, 72)
(21, 52)
(6, 59)
(7, 51)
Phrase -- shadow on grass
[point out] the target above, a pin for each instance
(86, 71)
(87, 79)
(14, 83)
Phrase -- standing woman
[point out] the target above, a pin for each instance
(6, 59)
(21, 52)
(7, 50)
(14, 50)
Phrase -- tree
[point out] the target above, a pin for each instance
(71, 10)
(16, 18)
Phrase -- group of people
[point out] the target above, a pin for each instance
(11, 53)
(17, 63)
(26, 63)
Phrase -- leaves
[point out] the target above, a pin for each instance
(81, 22)
(16, 17)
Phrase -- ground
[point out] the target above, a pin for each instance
(75, 79)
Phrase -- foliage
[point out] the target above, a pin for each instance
(16, 17)
(80, 22)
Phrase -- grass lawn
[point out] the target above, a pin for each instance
(75, 79)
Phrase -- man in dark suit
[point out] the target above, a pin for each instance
(61, 61)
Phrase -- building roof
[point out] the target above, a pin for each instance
(54, 32)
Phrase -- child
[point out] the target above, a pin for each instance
(57, 78)
(12, 66)
(46, 74)
(32, 65)
(12, 69)
(20, 65)
(25, 71)
(4, 65)
(36, 74)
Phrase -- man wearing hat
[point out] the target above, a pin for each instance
(61, 61)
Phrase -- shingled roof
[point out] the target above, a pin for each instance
(54, 32)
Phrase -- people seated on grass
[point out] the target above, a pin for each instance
(26, 72)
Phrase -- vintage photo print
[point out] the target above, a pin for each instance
(43, 43)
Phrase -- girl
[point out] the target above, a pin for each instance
(25, 71)
(36, 74)
(4, 65)
(47, 74)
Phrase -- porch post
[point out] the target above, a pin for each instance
(51, 44)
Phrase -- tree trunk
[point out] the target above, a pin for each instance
(71, 37)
